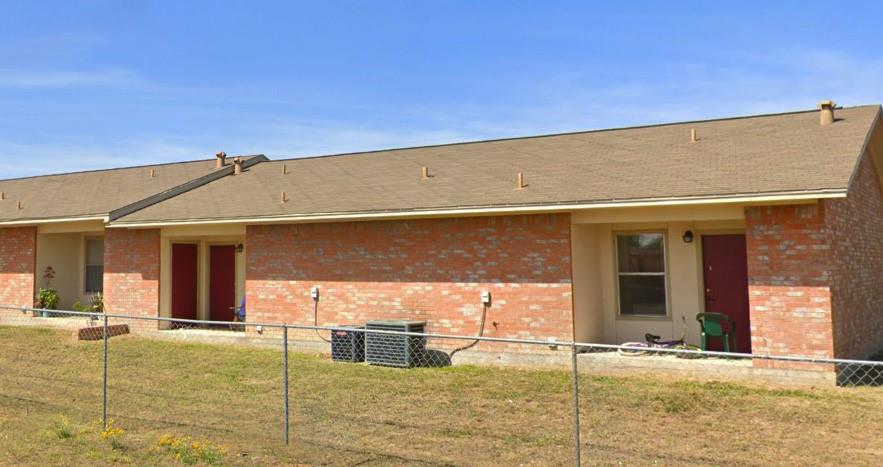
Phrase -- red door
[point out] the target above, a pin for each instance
(222, 282)
(184, 280)
(725, 265)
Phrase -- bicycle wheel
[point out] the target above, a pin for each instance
(633, 349)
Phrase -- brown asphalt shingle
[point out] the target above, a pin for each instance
(92, 193)
(751, 155)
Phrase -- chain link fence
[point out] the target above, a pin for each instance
(388, 392)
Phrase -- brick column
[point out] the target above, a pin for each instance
(18, 261)
(131, 272)
(789, 280)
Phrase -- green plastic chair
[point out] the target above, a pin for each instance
(717, 325)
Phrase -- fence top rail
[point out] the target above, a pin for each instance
(551, 342)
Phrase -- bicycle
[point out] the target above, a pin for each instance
(652, 341)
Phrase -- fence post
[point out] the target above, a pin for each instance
(575, 377)
(104, 384)
(285, 376)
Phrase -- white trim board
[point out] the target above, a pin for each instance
(497, 210)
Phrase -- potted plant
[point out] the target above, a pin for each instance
(96, 305)
(47, 297)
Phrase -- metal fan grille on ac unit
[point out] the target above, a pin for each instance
(391, 349)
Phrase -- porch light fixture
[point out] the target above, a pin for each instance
(687, 237)
(239, 248)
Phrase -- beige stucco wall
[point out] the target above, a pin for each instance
(62, 252)
(62, 246)
(204, 237)
(587, 304)
(596, 317)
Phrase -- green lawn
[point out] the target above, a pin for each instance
(344, 414)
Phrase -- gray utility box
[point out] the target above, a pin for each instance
(393, 350)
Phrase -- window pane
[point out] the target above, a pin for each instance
(95, 251)
(642, 295)
(640, 252)
(94, 278)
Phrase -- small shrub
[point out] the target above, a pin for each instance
(62, 428)
(113, 434)
(96, 304)
(48, 298)
(190, 451)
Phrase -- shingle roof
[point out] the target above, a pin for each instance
(782, 153)
(93, 193)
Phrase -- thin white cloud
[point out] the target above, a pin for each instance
(40, 47)
(316, 138)
(26, 159)
(676, 91)
(578, 99)
(66, 78)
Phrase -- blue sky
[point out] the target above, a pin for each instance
(95, 84)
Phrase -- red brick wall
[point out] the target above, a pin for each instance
(431, 269)
(18, 252)
(816, 273)
(789, 279)
(856, 229)
(131, 271)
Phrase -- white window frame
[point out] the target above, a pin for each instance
(619, 274)
(86, 265)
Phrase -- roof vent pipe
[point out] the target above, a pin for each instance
(826, 112)
(237, 166)
(221, 161)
